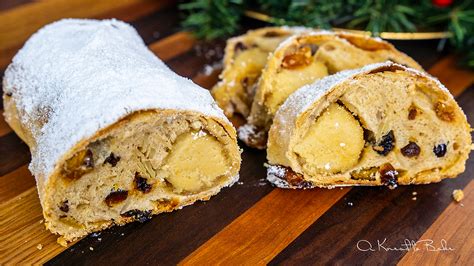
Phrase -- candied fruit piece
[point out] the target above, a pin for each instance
(80, 164)
(300, 58)
(444, 111)
(368, 173)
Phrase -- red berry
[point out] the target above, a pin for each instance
(442, 3)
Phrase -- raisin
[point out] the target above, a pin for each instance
(112, 159)
(116, 197)
(411, 150)
(138, 215)
(444, 112)
(64, 206)
(141, 183)
(386, 145)
(440, 150)
(388, 176)
(9, 94)
(412, 112)
(240, 47)
(300, 58)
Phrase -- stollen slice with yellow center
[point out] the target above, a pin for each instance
(304, 58)
(383, 124)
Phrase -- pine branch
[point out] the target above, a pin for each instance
(210, 19)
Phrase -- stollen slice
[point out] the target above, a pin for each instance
(304, 58)
(384, 124)
(245, 57)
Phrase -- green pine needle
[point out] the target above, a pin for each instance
(210, 19)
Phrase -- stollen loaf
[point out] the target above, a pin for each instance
(303, 58)
(115, 135)
(383, 124)
(245, 57)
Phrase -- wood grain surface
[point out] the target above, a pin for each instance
(454, 226)
(251, 222)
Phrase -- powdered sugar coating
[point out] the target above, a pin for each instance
(79, 76)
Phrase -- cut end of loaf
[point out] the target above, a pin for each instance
(148, 163)
(389, 126)
(245, 57)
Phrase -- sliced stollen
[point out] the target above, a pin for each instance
(384, 124)
(301, 60)
(115, 135)
(245, 57)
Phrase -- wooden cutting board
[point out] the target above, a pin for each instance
(251, 222)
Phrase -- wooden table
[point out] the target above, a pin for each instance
(251, 222)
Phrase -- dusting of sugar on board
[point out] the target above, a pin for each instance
(74, 77)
